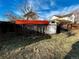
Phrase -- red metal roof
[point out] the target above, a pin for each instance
(32, 22)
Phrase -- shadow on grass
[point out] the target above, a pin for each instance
(74, 53)
(14, 40)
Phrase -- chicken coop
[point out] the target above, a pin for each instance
(42, 26)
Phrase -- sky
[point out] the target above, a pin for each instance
(44, 8)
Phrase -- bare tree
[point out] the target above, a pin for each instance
(11, 17)
(28, 12)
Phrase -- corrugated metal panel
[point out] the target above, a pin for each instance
(31, 22)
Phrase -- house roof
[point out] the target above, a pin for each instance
(67, 15)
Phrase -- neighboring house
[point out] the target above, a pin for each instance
(68, 18)
(76, 13)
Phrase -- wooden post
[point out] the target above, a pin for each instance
(43, 29)
(69, 26)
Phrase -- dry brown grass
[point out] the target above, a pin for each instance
(56, 47)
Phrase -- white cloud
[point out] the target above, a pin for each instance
(70, 9)
(47, 15)
(65, 10)
(40, 4)
(37, 6)
(18, 13)
(51, 13)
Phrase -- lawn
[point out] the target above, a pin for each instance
(36, 46)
